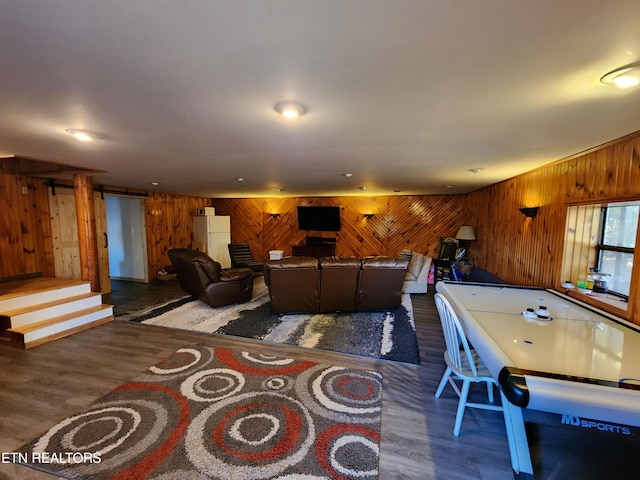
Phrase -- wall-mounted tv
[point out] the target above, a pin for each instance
(319, 218)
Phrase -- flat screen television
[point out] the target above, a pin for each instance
(319, 218)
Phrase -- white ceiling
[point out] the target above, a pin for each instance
(405, 95)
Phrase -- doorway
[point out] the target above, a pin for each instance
(127, 238)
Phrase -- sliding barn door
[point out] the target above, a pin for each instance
(64, 229)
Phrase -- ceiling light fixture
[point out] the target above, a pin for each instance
(290, 110)
(475, 170)
(623, 77)
(82, 135)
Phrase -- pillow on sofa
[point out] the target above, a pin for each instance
(415, 264)
(406, 254)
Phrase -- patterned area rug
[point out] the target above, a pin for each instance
(207, 413)
(386, 335)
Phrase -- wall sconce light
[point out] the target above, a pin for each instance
(274, 215)
(369, 216)
(529, 212)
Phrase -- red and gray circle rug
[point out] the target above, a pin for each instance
(214, 413)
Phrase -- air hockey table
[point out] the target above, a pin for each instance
(550, 353)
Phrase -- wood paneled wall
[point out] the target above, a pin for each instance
(413, 222)
(25, 230)
(528, 251)
(518, 249)
(169, 224)
(26, 245)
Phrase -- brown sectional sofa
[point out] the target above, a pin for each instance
(331, 284)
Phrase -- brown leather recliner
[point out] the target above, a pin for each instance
(204, 278)
(293, 284)
(380, 283)
(339, 284)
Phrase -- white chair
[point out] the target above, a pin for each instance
(463, 363)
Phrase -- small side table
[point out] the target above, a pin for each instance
(465, 268)
(442, 269)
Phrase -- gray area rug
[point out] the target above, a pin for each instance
(385, 335)
(214, 413)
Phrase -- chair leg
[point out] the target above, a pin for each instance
(443, 382)
(464, 393)
(490, 391)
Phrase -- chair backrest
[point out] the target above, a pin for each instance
(293, 284)
(454, 336)
(240, 253)
(380, 282)
(338, 283)
(195, 270)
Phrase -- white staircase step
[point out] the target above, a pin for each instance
(35, 334)
(21, 294)
(41, 312)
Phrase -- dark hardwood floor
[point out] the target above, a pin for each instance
(42, 386)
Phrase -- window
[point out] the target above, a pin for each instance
(616, 245)
(602, 236)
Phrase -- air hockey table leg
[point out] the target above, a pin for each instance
(517, 438)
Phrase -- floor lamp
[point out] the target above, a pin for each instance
(465, 234)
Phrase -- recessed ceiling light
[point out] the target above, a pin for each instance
(240, 179)
(348, 175)
(290, 110)
(363, 188)
(155, 184)
(82, 135)
(624, 77)
(475, 170)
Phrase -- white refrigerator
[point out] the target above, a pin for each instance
(213, 234)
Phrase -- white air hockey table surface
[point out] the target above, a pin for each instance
(571, 360)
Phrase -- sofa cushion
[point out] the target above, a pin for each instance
(386, 262)
(294, 284)
(415, 265)
(293, 262)
(330, 262)
(380, 283)
(210, 267)
(339, 283)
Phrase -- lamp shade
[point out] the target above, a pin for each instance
(465, 232)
